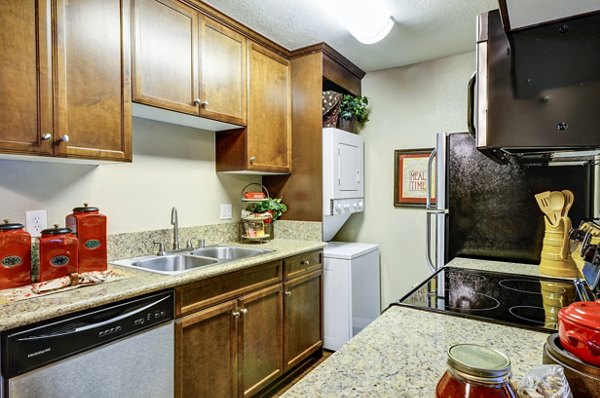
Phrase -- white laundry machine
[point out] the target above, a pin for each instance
(351, 290)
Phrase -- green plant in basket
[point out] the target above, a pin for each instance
(273, 206)
(356, 108)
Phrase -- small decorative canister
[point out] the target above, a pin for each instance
(476, 371)
(58, 253)
(90, 227)
(15, 255)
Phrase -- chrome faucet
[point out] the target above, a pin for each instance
(175, 224)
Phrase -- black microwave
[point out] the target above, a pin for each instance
(536, 92)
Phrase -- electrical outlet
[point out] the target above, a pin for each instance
(226, 211)
(36, 220)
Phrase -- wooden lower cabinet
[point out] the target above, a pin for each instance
(260, 339)
(207, 353)
(237, 333)
(303, 321)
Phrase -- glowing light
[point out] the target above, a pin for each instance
(367, 20)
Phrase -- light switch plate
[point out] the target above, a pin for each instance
(226, 212)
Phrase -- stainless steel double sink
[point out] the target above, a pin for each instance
(187, 260)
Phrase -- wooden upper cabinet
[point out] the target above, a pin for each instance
(80, 108)
(186, 62)
(93, 108)
(269, 139)
(165, 55)
(25, 89)
(223, 93)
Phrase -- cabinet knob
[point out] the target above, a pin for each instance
(236, 314)
(305, 262)
(288, 293)
(203, 104)
(63, 138)
(46, 137)
(252, 159)
(244, 311)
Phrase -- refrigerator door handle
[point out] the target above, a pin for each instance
(429, 178)
(428, 232)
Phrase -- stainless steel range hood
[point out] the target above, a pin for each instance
(536, 92)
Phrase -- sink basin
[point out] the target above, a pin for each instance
(176, 263)
(228, 253)
(169, 265)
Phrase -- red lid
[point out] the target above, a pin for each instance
(584, 313)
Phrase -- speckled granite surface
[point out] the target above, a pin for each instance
(141, 243)
(499, 266)
(403, 354)
(140, 282)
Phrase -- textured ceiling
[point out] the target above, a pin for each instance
(424, 29)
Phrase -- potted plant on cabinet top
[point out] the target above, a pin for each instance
(353, 110)
(272, 206)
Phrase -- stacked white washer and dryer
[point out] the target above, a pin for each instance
(351, 281)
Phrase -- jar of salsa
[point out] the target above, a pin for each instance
(475, 371)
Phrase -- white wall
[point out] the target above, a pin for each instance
(172, 166)
(409, 105)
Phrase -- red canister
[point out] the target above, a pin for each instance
(90, 227)
(15, 255)
(58, 253)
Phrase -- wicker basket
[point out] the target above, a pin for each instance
(331, 108)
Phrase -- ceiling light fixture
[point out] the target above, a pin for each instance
(367, 20)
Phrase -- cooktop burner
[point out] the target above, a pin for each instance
(518, 300)
(521, 285)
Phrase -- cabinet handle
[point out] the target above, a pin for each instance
(46, 137)
(204, 103)
(63, 138)
(236, 314)
(252, 159)
(244, 311)
(305, 262)
(288, 293)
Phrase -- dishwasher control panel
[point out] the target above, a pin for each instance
(29, 348)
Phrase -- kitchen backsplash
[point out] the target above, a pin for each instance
(140, 243)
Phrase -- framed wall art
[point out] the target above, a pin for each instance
(410, 177)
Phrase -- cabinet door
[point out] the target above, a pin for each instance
(260, 339)
(165, 55)
(206, 353)
(223, 73)
(302, 320)
(93, 108)
(25, 89)
(269, 112)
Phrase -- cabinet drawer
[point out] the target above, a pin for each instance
(202, 294)
(302, 263)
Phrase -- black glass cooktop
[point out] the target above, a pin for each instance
(518, 300)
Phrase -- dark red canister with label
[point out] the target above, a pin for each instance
(90, 227)
(58, 253)
(15, 255)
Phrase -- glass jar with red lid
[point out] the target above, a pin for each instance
(58, 253)
(90, 227)
(476, 371)
(15, 255)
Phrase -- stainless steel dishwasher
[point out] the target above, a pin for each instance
(124, 349)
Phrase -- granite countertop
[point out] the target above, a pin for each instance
(29, 311)
(403, 352)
